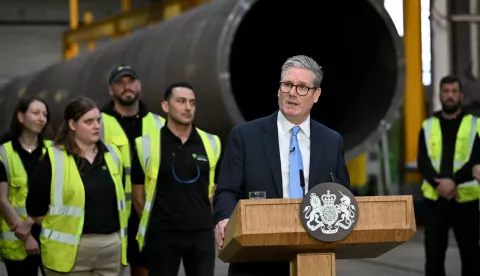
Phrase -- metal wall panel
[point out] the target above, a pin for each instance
(31, 32)
(24, 49)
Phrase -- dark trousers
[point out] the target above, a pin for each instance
(165, 250)
(27, 267)
(464, 218)
(134, 257)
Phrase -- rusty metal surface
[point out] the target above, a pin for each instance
(232, 52)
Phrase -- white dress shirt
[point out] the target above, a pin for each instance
(284, 136)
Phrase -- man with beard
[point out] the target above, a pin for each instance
(173, 182)
(448, 150)
(125, 118)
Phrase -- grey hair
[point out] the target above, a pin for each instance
(305, 62)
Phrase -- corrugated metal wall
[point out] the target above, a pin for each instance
(31, 31)
(24, 49)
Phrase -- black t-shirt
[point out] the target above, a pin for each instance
(179, 206)
(30, 162)
(3, 173)
(101, 213)
(449, 128)
(131, 125)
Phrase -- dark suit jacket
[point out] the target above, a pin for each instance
(252, 163)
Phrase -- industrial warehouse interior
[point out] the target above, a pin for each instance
(383, 64)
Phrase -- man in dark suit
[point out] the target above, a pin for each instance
(267, 154)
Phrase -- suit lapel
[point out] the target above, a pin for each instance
(316, 148)
(270, 144)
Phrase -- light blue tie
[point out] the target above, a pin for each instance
(296, 163)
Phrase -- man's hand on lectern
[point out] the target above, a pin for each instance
(220, 232)
(476, 172)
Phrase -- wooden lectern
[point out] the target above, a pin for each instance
(271, 230)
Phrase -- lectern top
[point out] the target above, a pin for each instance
(272, 229)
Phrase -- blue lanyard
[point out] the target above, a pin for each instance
(184, 181)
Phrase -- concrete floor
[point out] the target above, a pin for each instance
(405, 260)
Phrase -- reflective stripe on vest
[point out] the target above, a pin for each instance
(62, 226)
(467, 131)
(150, 122)
(112, 132)
(11, 247)
(4, 159)
(148, 150)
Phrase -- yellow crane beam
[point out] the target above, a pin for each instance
(126, 5)
(120, 24)
(72, 49)
(87, 20)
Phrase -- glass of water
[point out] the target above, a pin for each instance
(257, 195)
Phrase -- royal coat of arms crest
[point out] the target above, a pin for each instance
(325, 213)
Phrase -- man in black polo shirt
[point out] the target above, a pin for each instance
(175, 206)
(125, 118)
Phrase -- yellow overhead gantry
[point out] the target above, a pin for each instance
(118, 25)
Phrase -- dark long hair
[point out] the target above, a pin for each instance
(16, 127)
(74, 111)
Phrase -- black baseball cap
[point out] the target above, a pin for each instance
(119, 71)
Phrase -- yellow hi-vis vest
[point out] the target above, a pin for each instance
(62, 226)
(467, 131)
(11, 247)
(113, 133)
(148, 150)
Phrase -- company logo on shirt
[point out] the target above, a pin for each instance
(200, 157)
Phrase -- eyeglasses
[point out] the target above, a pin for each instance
(180, 180)
(301, 89)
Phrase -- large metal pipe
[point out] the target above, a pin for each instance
(232, 52)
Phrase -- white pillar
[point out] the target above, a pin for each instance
(474, 39)
(441, 47)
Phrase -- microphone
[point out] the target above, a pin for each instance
(332, 175)
(302, 181)
(292, 149)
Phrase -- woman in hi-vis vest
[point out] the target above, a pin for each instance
(78, 198)
(20, 151)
